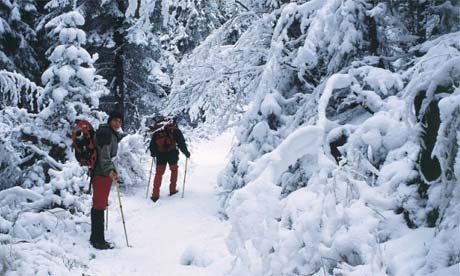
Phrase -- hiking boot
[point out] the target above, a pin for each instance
(173, 193)
(97, 238)
(154, 199)
(102, 245)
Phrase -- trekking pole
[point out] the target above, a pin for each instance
(122, 215)
(89, 187)
(107, 217)
(150, 177)
(185, 174)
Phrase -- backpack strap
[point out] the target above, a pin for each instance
(104, 135)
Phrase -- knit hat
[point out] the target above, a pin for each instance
(115, 115)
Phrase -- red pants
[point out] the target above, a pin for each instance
(160, 170)
(101, 189)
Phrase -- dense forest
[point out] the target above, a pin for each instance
(346, 116)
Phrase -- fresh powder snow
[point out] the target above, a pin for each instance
(174, 236)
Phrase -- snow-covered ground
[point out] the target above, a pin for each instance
(174, 236)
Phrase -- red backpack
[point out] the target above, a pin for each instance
(83, 143)
(163, 136)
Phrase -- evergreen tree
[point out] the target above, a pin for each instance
(18, 37)
(140, 44)
(71, 84)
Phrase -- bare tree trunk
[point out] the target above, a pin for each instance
(421, 20)
(119, 83)
(373, 38)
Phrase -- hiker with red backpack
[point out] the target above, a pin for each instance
(166, 139)
(96, 150)
(104, 174)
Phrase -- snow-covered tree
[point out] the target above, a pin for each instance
(71, 85)
(40, 143)
(18, 37)
(160, 33)
(214, 81)
(18, 91)
(330, 139)
(39, 174)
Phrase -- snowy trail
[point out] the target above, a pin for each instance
(174, 236)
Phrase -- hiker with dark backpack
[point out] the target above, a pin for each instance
(104, 174)
(166, 139)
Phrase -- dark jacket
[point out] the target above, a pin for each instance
(106, 141)
(180, 141)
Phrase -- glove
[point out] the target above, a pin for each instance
(187, 154)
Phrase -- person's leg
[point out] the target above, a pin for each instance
(94, 226)
(101, 189)
(160, 170)
(173, 184)
(173, 158)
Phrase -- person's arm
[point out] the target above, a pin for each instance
(180, 140)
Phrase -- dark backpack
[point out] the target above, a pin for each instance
(163, 136)
(83, 143)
